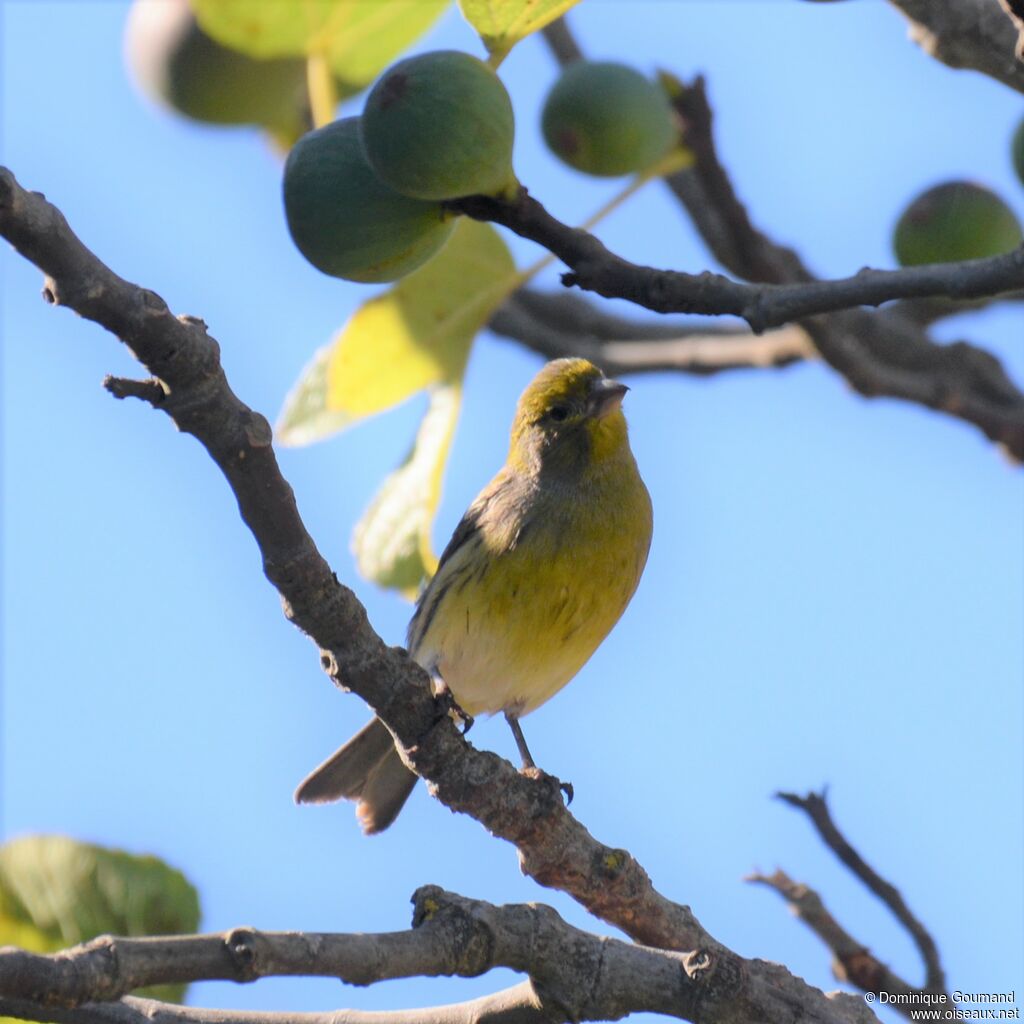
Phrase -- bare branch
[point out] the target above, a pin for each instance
(816, 809)
(976, 34)
(524, 808)
(515, 1005)
(594, 268)
(574, 976)
(851, 962)
(925, 312)
(586, 977)
(886, 353)
(567, 325)
(146, 390)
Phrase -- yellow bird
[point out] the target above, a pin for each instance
(537, 573)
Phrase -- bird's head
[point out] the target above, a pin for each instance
(569, 418)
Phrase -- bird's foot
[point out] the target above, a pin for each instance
(450, 706)
(533, 772)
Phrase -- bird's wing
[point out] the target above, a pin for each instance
(495, 498)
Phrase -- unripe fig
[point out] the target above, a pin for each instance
(345, 220)
(176, 64)
(606, 119)
(440, 126)
(954, 221)
(1018, 151)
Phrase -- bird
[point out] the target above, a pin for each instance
(538, 571)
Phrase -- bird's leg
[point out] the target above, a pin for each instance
(517, 732)
(450, 706)
(528, 762)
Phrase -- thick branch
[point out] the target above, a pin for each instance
(525, 809)
(575, 975)
(816, 809)
(975, 34)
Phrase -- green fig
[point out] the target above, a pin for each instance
(1018, 151)
(440, 126)
(957, 220)
(606, 119)
(176, 64)
(345, 220)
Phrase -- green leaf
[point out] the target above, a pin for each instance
(392, 540)
(502, 23)
(358, 37)
(55, 892)
(419, 332)
(305, 417)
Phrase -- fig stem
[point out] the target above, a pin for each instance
(495, 57)
(323, 98)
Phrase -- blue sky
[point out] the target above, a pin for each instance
(835, 592)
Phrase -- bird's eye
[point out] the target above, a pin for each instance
(559, 413)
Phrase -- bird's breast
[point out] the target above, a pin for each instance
(520, 609)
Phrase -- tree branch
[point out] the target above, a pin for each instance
(886, 353)
(515, 1005)
(975, 34)
(815, 807)
(575, 975)
(594, 268)
(524, 808)
(567, 325)
(852, 962)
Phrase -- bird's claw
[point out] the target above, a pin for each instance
(533, 772)
(450, 707)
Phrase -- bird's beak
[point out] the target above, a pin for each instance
(606, 396)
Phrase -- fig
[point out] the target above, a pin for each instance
(179, 66)
(440, 126)
(345, 220)
(607, 119)
(1018, 151)
(957, 220)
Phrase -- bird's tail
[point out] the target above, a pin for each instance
(367, 769)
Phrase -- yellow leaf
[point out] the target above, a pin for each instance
(359, 38)
(392, 540)
(305, 417)
(424, 327)
(419, 332)
(502, 23)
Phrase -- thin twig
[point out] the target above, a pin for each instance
(815, 807)
(515, 1005)
(852, 962)
(151, 390)
(594, 268)
(567, 325)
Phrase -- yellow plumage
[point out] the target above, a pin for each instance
(537, 573)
